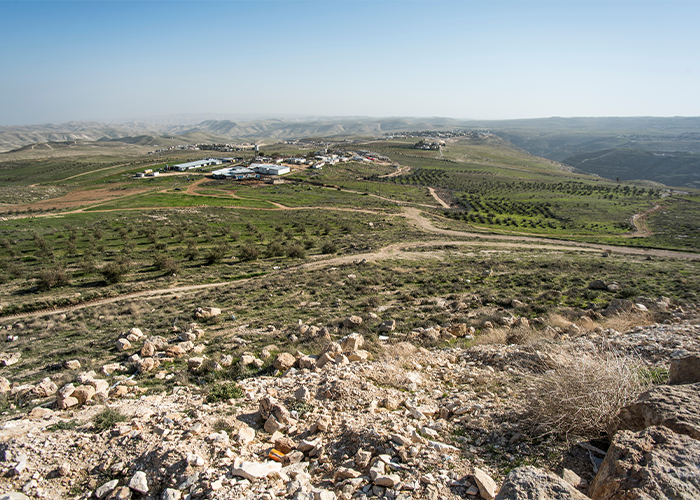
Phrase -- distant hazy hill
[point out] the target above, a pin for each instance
(624, 147)
(672, 169)
(560, 138)
(14, 137)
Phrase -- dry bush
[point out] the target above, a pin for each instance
(492, 336)
(626, 321)
(585, 393)
(387, 374)
(557, 321)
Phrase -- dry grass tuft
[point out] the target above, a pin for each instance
(585, 393)
(626, 321)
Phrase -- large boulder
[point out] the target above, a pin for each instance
(207, 312)
(352, 322)
(351, 342)
(676, 407)
(653, 464)
(284, 361)
(685, 370)
(531, 483)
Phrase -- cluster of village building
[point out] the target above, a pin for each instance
(264, 166)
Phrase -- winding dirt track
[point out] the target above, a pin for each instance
(396, 251)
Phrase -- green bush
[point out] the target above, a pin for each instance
(224, 392)
(296, 251)
(249, 252)
(216, 254)
(52, 278)
(274, 249)
(329, 247)
(115, 271)
(166, 263)
(107, 418)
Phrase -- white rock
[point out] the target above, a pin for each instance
(106, 488)
(139, 482)
(254, 470)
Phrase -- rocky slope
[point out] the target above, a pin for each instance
(410, 423)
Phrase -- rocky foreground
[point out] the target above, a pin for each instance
(410, 423)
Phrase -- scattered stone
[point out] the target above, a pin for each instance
(533, 483)
(487, 486)
(352, 321)
(207, 312)
(9, 359)
(171, 494)
(245, 435)
(123, 345)
(106, 488)
(284, 361)
(685, 370)
(655, 463)
(388, 325)
(352, 342)
(676, 407)
(72, 364)
(253, 470)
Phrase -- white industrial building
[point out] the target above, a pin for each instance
(235, 173)
(269, 169)
(182, 167)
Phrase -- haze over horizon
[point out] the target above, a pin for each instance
(117, 61)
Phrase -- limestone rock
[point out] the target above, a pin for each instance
(358, 355)
(148, 350)
(674, 406)
(4, 385)
(352, 342)
(388, 325)
(106, 488)
(175, 351)
(72, 364)
(352, 321)
(284, 361)
(253, 470)
(530, 483)
(323, 361)
(685, 370)
(487, 486)
(123, 345)
(655, 463)
(120, 493)
(146, 365)
(307, 362)
(9, 359)
(332, 349)
(83, 393)
(207, 312)
(45, 388)
(245, 435)
(171, 494)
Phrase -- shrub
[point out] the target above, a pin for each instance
(192, 252)
(166, 263)
(107, 418)
(585, 392)
(329, 247)
(51, 278)
(274, 249)
(224, 392)
(249, 252)
(296, 251)
(115, 271)
(216, 254)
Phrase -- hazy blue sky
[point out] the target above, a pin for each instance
(101, 60)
